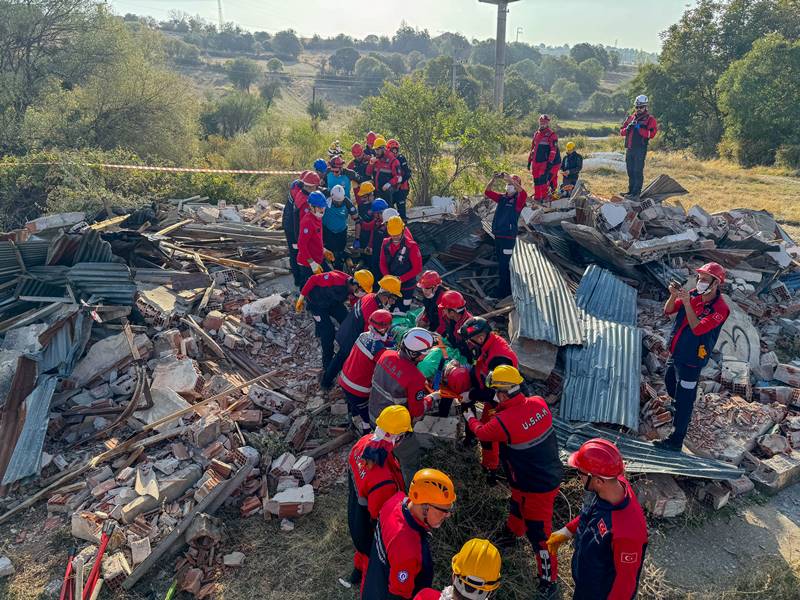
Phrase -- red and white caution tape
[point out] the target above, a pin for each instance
(149, 168)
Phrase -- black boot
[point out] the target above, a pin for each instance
(548, 590)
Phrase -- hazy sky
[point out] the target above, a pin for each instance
(629, 23)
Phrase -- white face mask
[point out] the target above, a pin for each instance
(380, 434)
(380, 336)
(702, 287)
(428, 293)
(510, 189)
(359, 293)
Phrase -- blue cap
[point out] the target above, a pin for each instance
(320, 165)
(318, 199)
(379, 205)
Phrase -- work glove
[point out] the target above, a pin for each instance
(427, 401)
(399, 180)
(294, 246)
(469, 415)
(328, 255)
(356, 244)
(557, 538)
(300, 304)
(315, 267)
(386, 186)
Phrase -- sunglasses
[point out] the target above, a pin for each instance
(445, 511)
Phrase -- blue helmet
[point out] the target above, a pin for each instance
(317, 199)
(320, 165)
(379, 205)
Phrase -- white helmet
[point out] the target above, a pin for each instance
(389, 213)
(337, 193)
(418, 340)
(641, 100)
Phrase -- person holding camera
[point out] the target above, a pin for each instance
(700, 315)
(638, 129)
(504, 225)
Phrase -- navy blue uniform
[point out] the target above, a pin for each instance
(505, 228)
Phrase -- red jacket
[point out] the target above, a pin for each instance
(403, 260)
(429, 594)
(496, 351)
(377, 482)
(648, 128)
(385, 170)
(323, 290)
(528, 446)
(356, 375)
(309, 241)
(544, 146)
(397, 381)
(400, 563)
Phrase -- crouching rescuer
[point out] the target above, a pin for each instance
(476, 573)
(529, 456)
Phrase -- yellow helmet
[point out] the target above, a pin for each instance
(366, 188)
(394, 420)
(570, 146)
(380, 142)
(504, 377)
(395, 226)
(476, 568)
(391, 284)
(365, 279)
(431, 486)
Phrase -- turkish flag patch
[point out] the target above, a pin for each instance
(601, 527)
(628, 557)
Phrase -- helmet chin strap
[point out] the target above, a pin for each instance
(588, 482)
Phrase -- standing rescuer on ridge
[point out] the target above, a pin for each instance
(700, 315)
(638, 129)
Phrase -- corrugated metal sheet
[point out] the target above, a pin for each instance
(93, 249)
(109, 282)
(602, 379)
(440, 236)
(27, 457)
(643, 457)
(606, 297)
(662, 187)
(545, 305)
(64, 347)
(663, 273)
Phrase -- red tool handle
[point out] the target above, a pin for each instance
(105, 537)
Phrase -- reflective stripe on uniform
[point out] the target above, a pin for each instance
(355, 386)
(360, 345)
(386, 395)
(533, 442)
(688, 385)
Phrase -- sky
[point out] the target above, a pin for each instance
(625, 23)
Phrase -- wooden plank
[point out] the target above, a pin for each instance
(174, 226)
(209, 341)
(108, 222)
(330, 446)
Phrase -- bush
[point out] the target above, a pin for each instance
(788, 156)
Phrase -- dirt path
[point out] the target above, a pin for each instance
(727, 545)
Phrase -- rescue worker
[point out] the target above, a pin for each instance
(369, 143)
(700, 315)
(312, 256)
(385, 171)
(365, 225)
(505, 225)
(400, 193)
(356, 376)
(334, 224)
(476, 573)
(296, 206)
(337, 176)
(379, 235)
(358, 166)
(431, 288)
(397, 380)
(400, 563)
(610, 534)
(325, 294)
(454, 315)
(374, 477)
(321, 168)
(542, 158)
(487, 350)
(357, 321)
(400, 256)
(571, 166)
(529, 454)
(638, 129)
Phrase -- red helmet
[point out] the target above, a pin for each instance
(544, 118)
(310, 178)
(371, 138)
(716, 270)
(393, 144)
(452, 300)
(517, 179)
(458, 380)
(381, 319)
(357, 150)
(429, 279)
(337, 161)
(598, 457)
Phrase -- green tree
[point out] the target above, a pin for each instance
(520, 97)
(270, 91)
(484, 75)
(556, 67)
(527, 69)
(287, 44)
(274, 65)
(567, 93)
(233, 114)
(613, 60)
(344, 60)
(243, 72)
(414, 59)
(761, 110)
(428, 119)
(600, 103)
(582, 52)
(406, 39)
(588, 75)
(318, 111)
(372, 72)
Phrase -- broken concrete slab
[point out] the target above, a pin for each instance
(537, 358)
(234, 559)
(788, 374)
(738, 337)
(140, 550)
(774, 474)
(165, 402)
(6, 568)
(24, 339)
(57, 221)
(169, 489)
(614, 214)
(660, 496)
(181, 376)
(430, 430)
(294, 502)
(107, 354)
(772, 444)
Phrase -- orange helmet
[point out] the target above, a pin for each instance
(431, 486)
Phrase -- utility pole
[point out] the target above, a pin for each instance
(219, 10)
(500, 50)
(519, 30)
